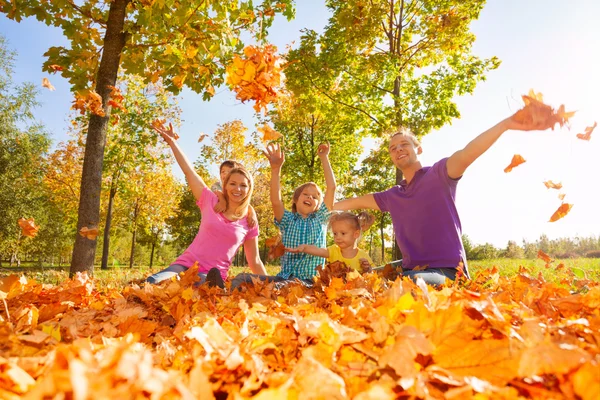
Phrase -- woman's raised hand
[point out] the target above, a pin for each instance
(274, 154)
(168, 135)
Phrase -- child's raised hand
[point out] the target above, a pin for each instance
(299, 249)
(365, 266)
(323, 150)
(274, 154)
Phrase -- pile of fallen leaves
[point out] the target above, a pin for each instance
(256, 76)
(350, 336)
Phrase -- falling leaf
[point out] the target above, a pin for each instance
(541, 115)
(552, 185)
(543, 256)
(28, 227)
(561, 212)
(275, 246)
(202, 137)
(256, 76)
(588, 132)
(89, 233)
(269, 133)
(516, 160)
(561, 196)
(46, 83)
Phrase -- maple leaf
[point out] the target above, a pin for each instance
(116, 98)
(552, 185)
(587, 133)
(541, 115)
(28, 227)
(55, 68)
(46, 83)
(516, 160)
(256, 76)
(89, 233)
(160, 124)
(543, 256)
(561, 212)
(269, 133)
(202, 137)
(275, 246)
(88, 101)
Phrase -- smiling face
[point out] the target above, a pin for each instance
(237, 188)
(345, 233)
(307, 199)
(404, 151)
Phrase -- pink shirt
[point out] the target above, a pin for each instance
(218, 238)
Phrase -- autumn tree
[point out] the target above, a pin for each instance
(23, 146)
(184, 44)
(393, 62)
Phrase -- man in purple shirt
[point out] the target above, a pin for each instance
(422, 207)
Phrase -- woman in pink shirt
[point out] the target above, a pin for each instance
(220, 235)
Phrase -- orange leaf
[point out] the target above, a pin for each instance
(202, 137)
(269, 133)
(561, 212)
(55, 68)
(46, 83)
(543, 256)
(588, 132)
(89, 233)
(420, 268)
(561, 196)
(552, 185)
(276, 248)
(540, 115)
(28, 227)
(516, 160)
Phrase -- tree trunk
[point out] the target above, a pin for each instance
(106, 243)
(84, 250)
(153, 246)
(135, 215)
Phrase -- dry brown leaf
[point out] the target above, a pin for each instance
(89, 233)
(587, 133)
(552, 185)
(46, 83)
(516, 161)
(28, 227)
(561, 212)
(543, 256)
(269, 133)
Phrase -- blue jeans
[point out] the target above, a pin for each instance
(279, 281)
(432, 276)
(169, 272)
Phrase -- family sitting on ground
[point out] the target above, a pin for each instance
(422, 207)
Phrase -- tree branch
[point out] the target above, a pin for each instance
(87, 14)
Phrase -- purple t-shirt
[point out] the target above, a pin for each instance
(425, 220)
(217, 240)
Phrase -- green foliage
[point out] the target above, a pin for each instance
(186, 43)
(23, 147)
(392, 62)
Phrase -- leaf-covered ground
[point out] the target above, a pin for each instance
(351, 336)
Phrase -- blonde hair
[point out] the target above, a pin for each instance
(299, 190)
(360, 222)
(404, 131)
(245, 203)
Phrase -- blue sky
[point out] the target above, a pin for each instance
(549, 45)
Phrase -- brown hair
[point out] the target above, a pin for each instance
(361, 222)
(230, 164)
(243, 208)
(404, 131)
(299, 190)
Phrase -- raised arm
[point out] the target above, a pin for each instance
(194, 180)
(276, 158)
(460, 161)
(309, 249)
(253, 257)
(330, 185)
(357, 203)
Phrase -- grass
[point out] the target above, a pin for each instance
(588, 268)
